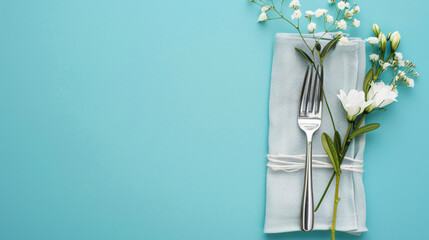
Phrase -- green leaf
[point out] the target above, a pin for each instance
(367, 81)
(329, 46)
(364, 129)
(337, 141)
(329, 147)
(308, 58)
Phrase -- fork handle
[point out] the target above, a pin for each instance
(307, 207)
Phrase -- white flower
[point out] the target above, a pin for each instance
(320, 12)
(296, 14)
(386, 65)
(409, 81)
(401, 74)
(342, 5)
(398, 55)
(353, 103)
(356, 10)
(265, 8)
(373, 57)
(398, 59)
(311, 27)
(381, 95)
(329, 18)
(343, 41)
(294, 4)
(356, 22)
(342, 25)
(396, 79)
(416, 74)
(348, 14)
(309, 13)
(263, 17)
(372, 40)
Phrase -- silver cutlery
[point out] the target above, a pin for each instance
(309, 120)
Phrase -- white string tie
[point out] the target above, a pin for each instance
(293, 163)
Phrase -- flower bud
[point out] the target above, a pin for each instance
(376, 30)
(394, 40)
(382, 41)
(388, 36)
(318, 47)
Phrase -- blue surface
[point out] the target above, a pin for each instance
(148, 120)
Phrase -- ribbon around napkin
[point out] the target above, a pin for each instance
(344, 68)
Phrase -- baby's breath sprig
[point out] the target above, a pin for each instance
(344, 13)
(403, 71)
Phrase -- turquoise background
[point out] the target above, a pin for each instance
(148, 120)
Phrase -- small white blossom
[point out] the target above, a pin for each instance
(356, 10)
(416, 74)
(329, 18)
(311, 27)
(373, 57)
(372, 40)
(401, 74)
(353, 103)
(396, 79)
(265, 8)
(381, 95)
(296, 14)
(343, 41)
(342, 24)
(398, 55)
(309, 13)
(356, 22)
(320, 12)
(294, 4)
(263, 17)
(348, 14)
(409, 81)
(342, 5)
(386, 65)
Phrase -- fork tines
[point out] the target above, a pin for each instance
(311, 94)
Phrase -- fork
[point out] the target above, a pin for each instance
(309, 120)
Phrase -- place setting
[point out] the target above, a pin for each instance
(324, 83)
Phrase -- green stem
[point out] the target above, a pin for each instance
(329, 110)
(344, 149)
(346, 137)
(380, 68)
(324, 193)
(337, 200)
(361, 120)
(324, 96)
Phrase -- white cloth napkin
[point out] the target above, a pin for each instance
(344, 68)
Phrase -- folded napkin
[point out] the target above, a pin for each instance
(344, 68)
